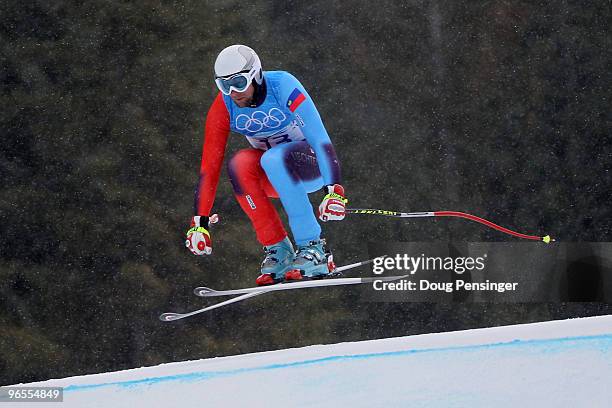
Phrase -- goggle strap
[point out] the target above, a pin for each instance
(246, 71)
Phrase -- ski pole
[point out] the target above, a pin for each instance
(547, 239)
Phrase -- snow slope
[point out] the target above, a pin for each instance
(553, 364)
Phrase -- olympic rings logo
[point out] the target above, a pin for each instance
(260, 119)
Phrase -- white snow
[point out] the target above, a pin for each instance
(552, 364)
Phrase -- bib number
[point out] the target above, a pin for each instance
(291, 134)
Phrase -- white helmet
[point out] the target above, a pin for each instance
(236, 67)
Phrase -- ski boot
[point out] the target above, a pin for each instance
(279, 259)
(312, 261)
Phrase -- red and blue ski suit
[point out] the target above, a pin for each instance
(291, 156)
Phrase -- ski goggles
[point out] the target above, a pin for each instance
(238, 82)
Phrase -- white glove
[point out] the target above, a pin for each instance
(333, 206)
(198, 237)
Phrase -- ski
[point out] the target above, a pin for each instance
(169, 317)
(246, 293)
(331, 281)
(208, 292)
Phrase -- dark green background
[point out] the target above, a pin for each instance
(497, 108)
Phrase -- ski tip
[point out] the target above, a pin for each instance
(168, 317)
(203, 291)
(547, 239)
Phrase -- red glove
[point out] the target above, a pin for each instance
(333, 206)
(198, 238)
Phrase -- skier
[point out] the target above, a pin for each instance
(291, 156)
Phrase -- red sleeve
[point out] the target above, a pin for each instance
(216, 132)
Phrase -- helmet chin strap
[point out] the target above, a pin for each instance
(259, 94)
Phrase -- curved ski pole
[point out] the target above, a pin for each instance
(547, 239)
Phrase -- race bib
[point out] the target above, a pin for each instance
(291, 133)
